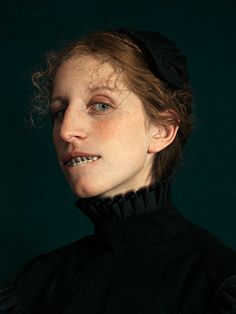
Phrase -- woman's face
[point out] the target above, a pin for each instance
(96, 113)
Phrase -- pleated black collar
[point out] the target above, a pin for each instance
(120, 207)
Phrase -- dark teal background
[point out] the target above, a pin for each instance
(37, 207)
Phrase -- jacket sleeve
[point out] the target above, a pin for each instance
(9, 299)
(224, 301)
(17, 291)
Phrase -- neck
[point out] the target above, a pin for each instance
(122, 206)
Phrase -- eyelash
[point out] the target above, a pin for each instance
(55, 114)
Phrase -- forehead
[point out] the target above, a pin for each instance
(90, 71)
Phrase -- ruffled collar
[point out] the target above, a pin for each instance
(131, 204)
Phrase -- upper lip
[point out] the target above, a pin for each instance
(73, 154)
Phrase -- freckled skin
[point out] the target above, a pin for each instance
(117, 133)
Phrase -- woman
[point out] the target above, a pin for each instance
(120, 103)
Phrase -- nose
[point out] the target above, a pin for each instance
(72, 125)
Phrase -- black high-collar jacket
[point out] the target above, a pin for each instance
(144, 257)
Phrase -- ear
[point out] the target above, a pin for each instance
(163, 135)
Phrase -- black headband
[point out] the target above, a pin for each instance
(165, 59)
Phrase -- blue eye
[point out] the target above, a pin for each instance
(58, 115)
(102, 105)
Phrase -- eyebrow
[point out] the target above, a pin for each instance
(96, 88)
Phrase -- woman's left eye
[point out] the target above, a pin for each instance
(102, 106)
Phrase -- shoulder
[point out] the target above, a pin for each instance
(197, 268)
(219, 257)
(219, 268)
(218, 263)
(38, 276)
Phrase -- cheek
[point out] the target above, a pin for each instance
(119, 128)
(105, 130)
(123, 135)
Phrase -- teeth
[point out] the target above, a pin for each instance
(79, 160)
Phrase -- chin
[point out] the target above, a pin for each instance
(86, 190)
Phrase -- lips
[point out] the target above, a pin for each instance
(73, 154)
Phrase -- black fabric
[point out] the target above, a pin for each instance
(165, 59)
(143, 257)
